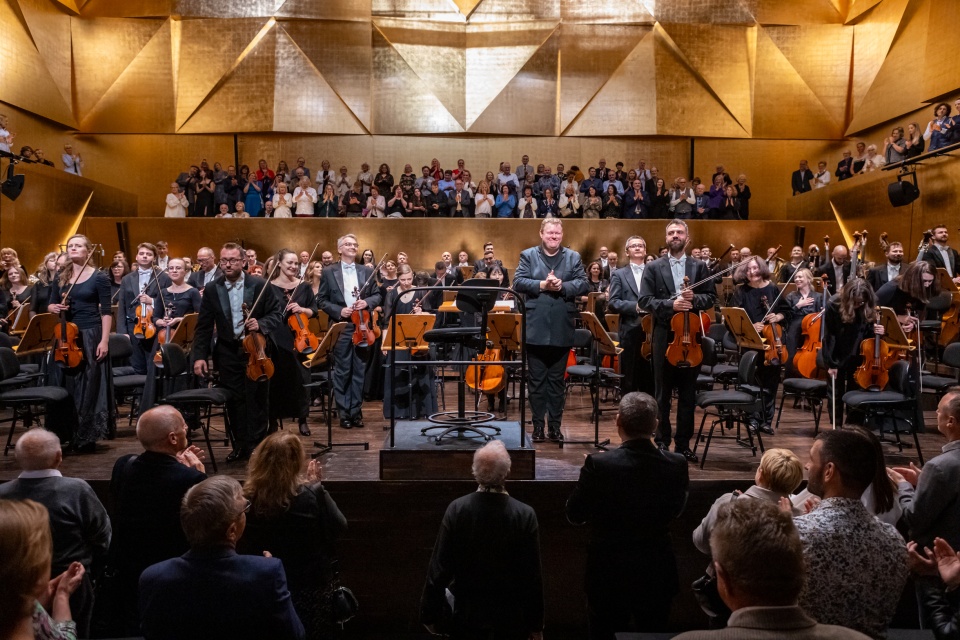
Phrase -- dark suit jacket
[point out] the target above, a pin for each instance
(217, 594)
(550, 314)
(932, 255)
(623, 298)
(488, 555)
(877, 277)
(657, 288)
(194, 279)
(800, 181)
(631, 203)
(931, 510)
(826, 269)
(129, 290)
(215, 312)
(331, 295)
(466, 204)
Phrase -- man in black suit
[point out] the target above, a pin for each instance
(837, 269)
(460, 202)
(340, 285)
(222, 308)
(801, 178)
(844, 167)
(488, 555)
(625, 300)
(884, 273)
(487, 259)
(629, 497)
(215, 592)
(941, 256)
(551, 278)
(146, 490)
(208, 271)
(662, 294)
(140, 285)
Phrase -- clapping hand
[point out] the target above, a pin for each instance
(552, 283)
(314, 471)
(192, 457)
(909, 474)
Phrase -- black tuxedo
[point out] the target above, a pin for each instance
(787, 269)
(800, 181)
(195, 278)
(877, 277)
(935, 258)
(248, 400)
(656, 291)
(826, 269)
(624, 296)
(347, 363)
(629, 496)
(127, 314)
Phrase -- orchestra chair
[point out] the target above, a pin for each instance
(935, 307)
(812, 390)
(731, 409)
(584, 374)
(726, 370)
(706, 380)
(897, 402)
(6, 340)
(126, 383)
(27, 400)
(940, 385)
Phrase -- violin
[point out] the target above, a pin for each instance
(805, 359)
(67, 352)
(872, 374)
(646, 347)
(488, 379)
(366, 328)
(259, 366)
(163, 338)
(776, 352)
(13, 318)
(144, 328)
(685, 349)
(303, 339)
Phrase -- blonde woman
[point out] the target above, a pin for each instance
(484, 200)
(282, 202)
(375, 203)
(176, 203)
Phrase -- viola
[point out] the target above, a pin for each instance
(872, 374)
(144, 328)
(488, 379)
(366, 328)
(12, 320)
(685, 349)
(259, 366)
(163, 338)
(776, 353)
(67, 352)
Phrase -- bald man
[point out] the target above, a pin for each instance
(837, 269)
(147, 490)
(78, 521)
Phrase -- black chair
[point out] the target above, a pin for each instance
(897, 402)
(705, 379)
(811, 390)
(726, 370)
(941, 384)
(935, 308)
(585, 373)
(126, 383)
(732, 408)
(27, 401)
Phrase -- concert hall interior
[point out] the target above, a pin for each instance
(766, 172)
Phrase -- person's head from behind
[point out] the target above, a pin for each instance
(491, 464)
(162, 430)
(38, 449)
(213, 513)
(275, 473)
(780, 471)
(637, 416)
(844, 462)
(26, 547)
(757, 555)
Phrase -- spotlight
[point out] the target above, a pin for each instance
(903, 192)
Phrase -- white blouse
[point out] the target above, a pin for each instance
(484, 205)
(376, 206)
(176, 206)
(305, 200)
(281, 205)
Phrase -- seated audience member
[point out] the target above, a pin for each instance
(488, 555)
(146, 491)
(211, 591)
(856, 565)
(31, 604)
(78, 521)
(295, 519)
(759, 563)
(629, 497)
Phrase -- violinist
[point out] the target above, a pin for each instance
(312, 278)
(88, 307)
(339, 286)
(177, 300)
(850, 318)
(909, 293)
(135, 305)
(288, 396)
(624, 299)
(416, 395)
(796, 262)
(14, 291)
(805, 300)
(208, 271)
(222, 309)
(46, 275)
(756, 297)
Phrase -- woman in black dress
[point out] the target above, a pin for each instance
(800, 303)
(46, 275)
(14, 291)
(174, 302)
(118, 269)
(413, 382)
(742, 191)
(660, 200)
(909, 293)
(288, 397)
(205, 206)
(88, 306)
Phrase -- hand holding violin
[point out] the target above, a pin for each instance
(684, 301)
(251, 324)
(144, 299)
(772, 317)
(878, 329)
(293, 307)
(57, 308)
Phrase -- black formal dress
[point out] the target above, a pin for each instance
(288, 396)
(841, 351)
(751, 300)
(624, 300)
(794, 320)
(168, 304)
(415, 395)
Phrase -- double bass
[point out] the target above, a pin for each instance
(685, 349)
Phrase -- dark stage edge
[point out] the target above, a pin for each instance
(417, 456)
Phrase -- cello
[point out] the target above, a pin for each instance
(812, 327)
(685, 349)
(488, 379)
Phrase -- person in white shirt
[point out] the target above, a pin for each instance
(570, 181)
(506, 177)
(822, 177)
(176, 203)
(282, 202)
(72, 162)
(343, 183)
(484, 201)
(6, 137)
(376, 204)
(624, 299)
(365, 178)
(305, 197)
(325, 176)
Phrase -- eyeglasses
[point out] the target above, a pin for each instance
(231, 260)
(635, 245)
(350, 244)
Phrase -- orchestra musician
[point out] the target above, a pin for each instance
(551, 277)
(662, 294)
(796, 262)
(339, 286)
(172, 303)
(208, 272)
(884, 273)
(625, 301)
(837, 269)
(940, 255)
(419, 387)
(222, 309)
(138, 287)
(909, 293)
(805, 300)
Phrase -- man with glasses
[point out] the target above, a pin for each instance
(625, 300)
(223, 307)
(208, 272)
(341, 293)
(139, 286)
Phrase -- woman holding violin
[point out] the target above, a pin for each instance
(909, 293)
(292, 345)
(759, 298)
(172, 303)
(15, 290)
(799, 304)
(82, 295)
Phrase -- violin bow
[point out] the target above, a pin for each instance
(156, 274)
(304, 274)
(372, 277)
(66, 294)
(260, 295)
(707, 279)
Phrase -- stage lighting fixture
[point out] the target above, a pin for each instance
(13, 185)
(903, 192)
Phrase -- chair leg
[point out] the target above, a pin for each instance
(696, 443)
(817, 413)
(13, 425)
(780, 409)
(706, 444)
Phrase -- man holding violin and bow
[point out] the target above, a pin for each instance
(344, 290)
(237, 304)
(135, 305)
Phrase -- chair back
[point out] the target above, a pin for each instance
(9, 363)
(951, 355)
(709, 351)
(175, 361)
(582, 338)
(939, 303)
(900, 378)
(747, 369)
(120, 347)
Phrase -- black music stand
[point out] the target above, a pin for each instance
(601, 345)
(411, 328)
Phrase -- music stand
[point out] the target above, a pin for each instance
(324, 356)
(39, 336)
(20, 318)
(319, 324)
(946, 282)
(601, 345)
(466, 272)
(183, 334)
(725, 289)
(893, 333)
(613, 322)
(738, 323)
(410, 330)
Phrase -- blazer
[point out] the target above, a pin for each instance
(934, 257)
(877, 277)
(930, 510)
(826, 269)
(331, 298)
(624, 295)
(800, 181)
(217, 593)
(129, 290)
(773, 623)
(194, 279)
(656, 289)
(634, 207)
(215, 312)
(550, 314)
(466, 204)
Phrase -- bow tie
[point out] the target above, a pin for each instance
(234, 285)
(349, 267)
(636, 267)
(675, 261)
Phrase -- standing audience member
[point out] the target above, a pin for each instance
(72, 162)
(176, 203)
(801, 179)
(488, 555)
(629, 497)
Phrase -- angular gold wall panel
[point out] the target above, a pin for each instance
(858, 8)
(778, 12)
(222, 9)
(577, 11)
(872, 38)
(704, 11)
(511, 11)
(424, 10)
(127, 8)
(50, 29)
(939, 79)
(302, 10)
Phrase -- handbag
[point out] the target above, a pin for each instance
(341, 602)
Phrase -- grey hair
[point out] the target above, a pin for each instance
(37, 449)
(342, 238)
(639, 414)
(491, 464)
(208, 509)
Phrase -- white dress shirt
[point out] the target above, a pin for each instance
(350, 282)
(637, 273)
(235, 295)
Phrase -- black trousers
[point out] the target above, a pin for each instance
(142, 351)
(634, 597)
(636, 370)
(769, 379)
(545, 367)
(248, 403)
(939, 609)
(348, 374)
(667, 378)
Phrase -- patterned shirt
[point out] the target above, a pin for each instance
(856, 566)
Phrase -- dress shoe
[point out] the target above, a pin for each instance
(554, 435)
(752, 426)
(662, 447)
(90, 447)
(767, 429)
(357, 422)
(238, 455)
(538, 434)
(346, 424)
(689, 455)
(304, 429)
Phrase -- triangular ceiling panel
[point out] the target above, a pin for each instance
(494, 56)
(528, 104)
(779, 12)
(50, 30)
(70, 5)
(226, 9)
(939, 79)
(859, 7)
(627, 104)
(728, 76)
(142, 98)
(302, 99)
(622, 13)
(892, 93)
(127, 8)
(207, 52)
(589, 55)
(466, 6)
(872, 38)
(342, 53)
(784, 106)
(27, 84)
(512, 12)
(356, 10)
(402, 102)
(821, 54)
(240, 102)
(102, 49)
(685, 103)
